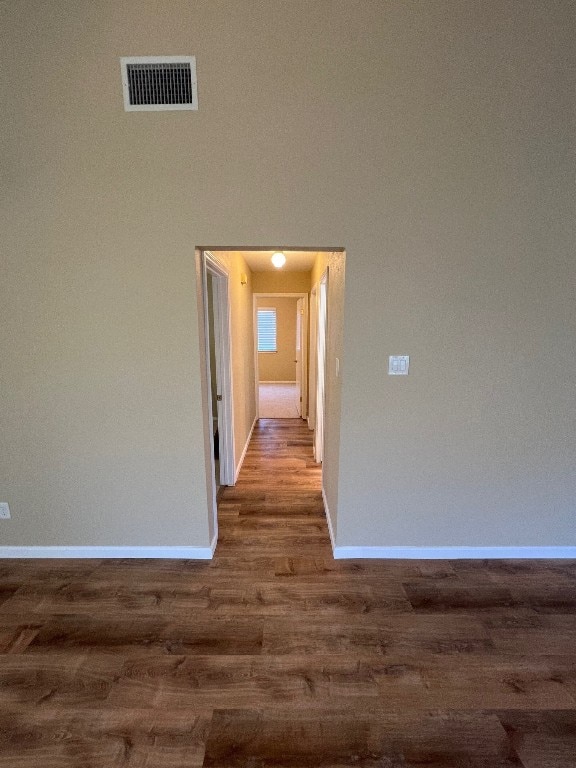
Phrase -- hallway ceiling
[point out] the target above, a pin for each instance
(296, 261)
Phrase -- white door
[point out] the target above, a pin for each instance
(299, 346)
(321, 368)
(217, 374)
(218, 367)
(313, 343)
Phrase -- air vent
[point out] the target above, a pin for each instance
(154, 83)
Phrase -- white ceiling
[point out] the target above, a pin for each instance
(296, 261)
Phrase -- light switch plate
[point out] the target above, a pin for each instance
(398, 365)
(4, 511)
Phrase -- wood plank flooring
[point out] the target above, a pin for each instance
(273, 655)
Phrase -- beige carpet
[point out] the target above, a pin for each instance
(278, 401)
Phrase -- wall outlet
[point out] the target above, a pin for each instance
(4, 511)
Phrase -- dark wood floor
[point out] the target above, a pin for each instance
(275, 655)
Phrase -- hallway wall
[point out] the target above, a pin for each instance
(281, 282)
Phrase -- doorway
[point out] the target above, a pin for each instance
(218, 373)
(320, 394)
(281, 354)
(231, 281)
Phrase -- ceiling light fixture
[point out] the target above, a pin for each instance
(278, 259)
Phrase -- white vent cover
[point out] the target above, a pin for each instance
(153, 83)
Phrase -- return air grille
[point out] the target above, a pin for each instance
(154, 83)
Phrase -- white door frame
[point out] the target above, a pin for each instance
(222, 336)
(321, 356)
(304, 352)
(313, 337)
(301, 379)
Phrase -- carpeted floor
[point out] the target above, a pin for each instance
(278, 401)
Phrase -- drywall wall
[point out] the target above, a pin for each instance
(280, 365)
(434, 141)
(281, 282)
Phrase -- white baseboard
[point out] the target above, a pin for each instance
(101, 553)
(453, 553)
(241, 460)
(276, 382)
(340, 553)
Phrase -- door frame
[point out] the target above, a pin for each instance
(313, 357)
(301, 348)
(304, 351)
(321, 353)
(222, 342)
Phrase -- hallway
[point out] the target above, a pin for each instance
(275, 509)
(274, 655)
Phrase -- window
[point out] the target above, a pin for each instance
(267, 329)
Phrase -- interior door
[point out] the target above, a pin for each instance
(321, 368)
(299, 316)
(215, 389)
(218, 369)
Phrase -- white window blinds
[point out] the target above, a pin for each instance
(266, 329)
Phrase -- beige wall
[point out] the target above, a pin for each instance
(281, 282)
(443, 162)
(280, 365)
(320, 265)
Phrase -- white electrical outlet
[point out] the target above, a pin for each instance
(4, 511)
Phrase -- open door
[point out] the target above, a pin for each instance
(299, 352)
(320, 366)
(219, 375)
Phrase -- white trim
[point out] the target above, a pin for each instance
(223, 341)
(321, 351)
(329, 520)
(453, 553)
(100, 553)
(275, 381)
(241, 461)
(302, 380)
(255, 354)
(312, 357)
